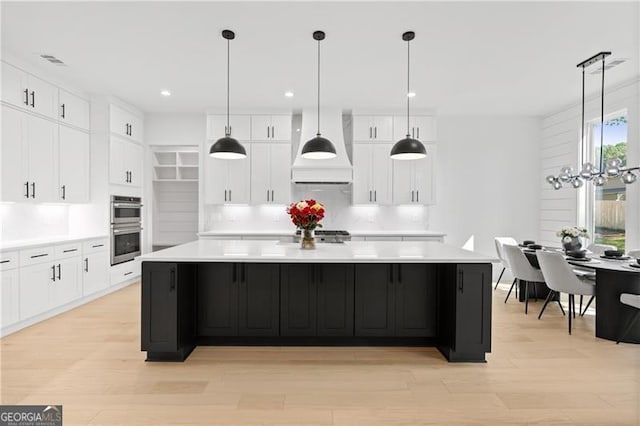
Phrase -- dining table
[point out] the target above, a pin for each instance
(613, 277)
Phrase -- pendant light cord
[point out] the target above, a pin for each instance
(318, 132)
(408, 87)
(228, 132)
(602, 122)
(582, 141)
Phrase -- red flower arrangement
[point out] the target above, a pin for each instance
(306, 214)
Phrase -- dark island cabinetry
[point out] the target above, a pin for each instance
(211, 303)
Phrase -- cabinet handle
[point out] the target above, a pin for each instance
(53, 275)
(267, 132)
(33, 190)
(273, 132)
(418, 196)
(412, 196)
(59, 272)
(63, 114)
(230, 130)
(369, 195)
(5, 261)
(172, 284)
(26, 185)
(225, 195)
(461, 281)
(33, 99)
(375, 132)
(97, 245)
(64, 192)
(39, 255)
(413, 132)
(267, 195)
(370, 133)
(272, 195)
(128, 273)
(86, 264)
(375, 195)
(26, 97)
(130, 129)
(418, 132)
(229, 195)
(70, 250)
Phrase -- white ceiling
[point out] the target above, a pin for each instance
(467, 58)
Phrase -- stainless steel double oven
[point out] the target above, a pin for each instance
(126, 228)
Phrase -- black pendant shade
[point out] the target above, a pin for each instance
(408, 148)
(318, 148)
(227, 148)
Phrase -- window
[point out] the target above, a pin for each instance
(605, 205)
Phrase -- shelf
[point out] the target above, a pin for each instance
(188, 158)
(165, 158)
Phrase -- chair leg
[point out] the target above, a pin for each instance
(631, 323)
(498, 282)
(573, 305)
(546, 302)
(570, 303)
(587, 307)
(512, 285)
(535, 290)
(560, 304)
(580, 310)
(526, 297)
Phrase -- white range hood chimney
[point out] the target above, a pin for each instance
(335, 170)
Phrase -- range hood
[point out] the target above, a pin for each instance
(335, 170)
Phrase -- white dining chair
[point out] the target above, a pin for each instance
(561, 279)
(632, 300)
(522, 270)
(599, 249)
(634, 253)
(499, 242)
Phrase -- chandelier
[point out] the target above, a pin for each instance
(590, 173)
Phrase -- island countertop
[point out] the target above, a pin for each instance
(348, 252)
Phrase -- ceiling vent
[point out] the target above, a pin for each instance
(53, 60)
(608, 65)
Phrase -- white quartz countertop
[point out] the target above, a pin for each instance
(349, 252)
(365, 233)
(39, 242)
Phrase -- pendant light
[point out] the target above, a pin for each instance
(408, 148)
(228, 148)
(589, 172)
(318, 148)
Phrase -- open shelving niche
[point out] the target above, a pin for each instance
(175, 187)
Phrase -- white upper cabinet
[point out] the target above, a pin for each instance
(74, 166)
(14, 171)
(271, 127)
(74, 110)
(125, 162)
(371, 173)
(421, 127)
(227, 181)
(240, 127)
(29, 92)
(414, 180)
(42, 158)
(126, 124)
(270, 173)
(372, 128)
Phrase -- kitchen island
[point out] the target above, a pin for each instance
(228, 292)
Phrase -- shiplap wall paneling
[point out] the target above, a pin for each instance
(176, 212)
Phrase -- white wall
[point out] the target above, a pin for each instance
(488, 179)
(560, 145)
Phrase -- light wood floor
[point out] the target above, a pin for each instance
(89, 361)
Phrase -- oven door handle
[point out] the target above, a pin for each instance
(127, 205)
(127, 230)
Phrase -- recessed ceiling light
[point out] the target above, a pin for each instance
(288, 94)
(411, 95)
(165, 92)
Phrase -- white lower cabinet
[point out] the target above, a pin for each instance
(10, 286)
(68, 284)
(34, 288)
(95, 267)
